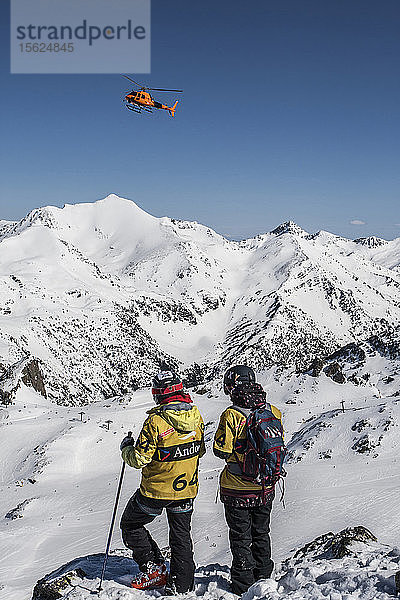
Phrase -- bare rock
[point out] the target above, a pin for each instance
(32, 377)
(334, 371)
(18, 511)
(316, 367)
(397, 582)
(350, 353)
(47, 589)
(336, 545)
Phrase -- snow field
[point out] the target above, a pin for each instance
(75, 467)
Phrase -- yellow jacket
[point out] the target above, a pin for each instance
(231, 429)
(168, 450)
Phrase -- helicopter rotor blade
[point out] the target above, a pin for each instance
(163, 90)
(135, 82)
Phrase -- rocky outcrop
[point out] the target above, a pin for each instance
(350, 353)
(81, 577)
(18, 511)
(344, 363)
(388, 346)
(32, 377)
(371, 242)
(52, 589)
(336, 545)
(289, 227)
(334, 371)
(336, 565)
(9, 385)
(27, 371)
(316, 367)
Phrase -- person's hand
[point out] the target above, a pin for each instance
(127, 441)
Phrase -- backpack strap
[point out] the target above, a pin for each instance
(282, 489)
(236, 468)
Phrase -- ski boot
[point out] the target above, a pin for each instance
(155, 576)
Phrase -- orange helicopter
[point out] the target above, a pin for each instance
(137, 101)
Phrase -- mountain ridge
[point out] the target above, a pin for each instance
(101, 292)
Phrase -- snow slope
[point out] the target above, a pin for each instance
(348, 565)
(100, 292)
(59, 477)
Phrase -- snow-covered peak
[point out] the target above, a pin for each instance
(42, 216)
(289, 227)
(113, 215)
(326, 237)
(112, 212)
(6, 227)
(110, 205)
(96, 283)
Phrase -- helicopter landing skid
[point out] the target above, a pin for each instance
(135, 109)
(138, 109)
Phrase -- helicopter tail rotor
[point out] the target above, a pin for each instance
(172, 109)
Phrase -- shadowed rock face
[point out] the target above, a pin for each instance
(5, 397)
(371, 241)
(336, 545)
(25, 370)
(83, 573)
(32, 376)
(385, 347)
(18, 511)
(288, 227)
(52, 590)
(7, 387)
(316, 367)
(397, 582)
(350, 353)
(334, 372)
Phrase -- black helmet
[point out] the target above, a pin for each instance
(165, 384)
(237, 375)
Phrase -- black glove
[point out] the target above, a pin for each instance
(127, 441)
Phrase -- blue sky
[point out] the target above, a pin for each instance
(290, 111)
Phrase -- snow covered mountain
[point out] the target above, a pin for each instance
(99, 293)
(92, 296)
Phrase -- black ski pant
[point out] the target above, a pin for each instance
(140, 511)
(250, 545)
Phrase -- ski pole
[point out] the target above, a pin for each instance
(112, 523)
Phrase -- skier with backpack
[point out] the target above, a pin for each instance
(167, 450)
(250, 439)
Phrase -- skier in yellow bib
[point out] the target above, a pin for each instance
(167, 450)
